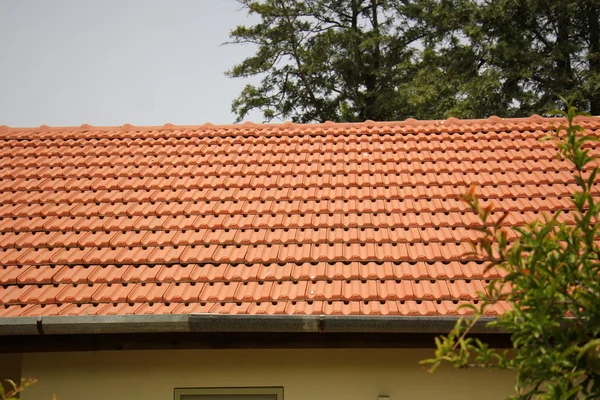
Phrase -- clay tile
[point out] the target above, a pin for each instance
(536, 118)
(369, 122)
(44, 127)
(207, 125)
(4, 129)
(494, 118)
(328, 123)
(411, 121)
(451, 120)
(248, 123)
(85, 126)
(288, 123)
(583, 118)
(127, 127)
(168, 125)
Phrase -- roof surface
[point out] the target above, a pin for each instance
(359, 219)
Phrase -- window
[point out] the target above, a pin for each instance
(243, 393)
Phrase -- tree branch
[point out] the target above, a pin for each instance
(296, 55)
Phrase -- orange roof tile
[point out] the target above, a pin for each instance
(338, 219)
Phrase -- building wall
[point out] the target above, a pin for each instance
(10, 368)
(315, 374)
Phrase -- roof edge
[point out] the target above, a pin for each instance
(410, 122)
(222, 323)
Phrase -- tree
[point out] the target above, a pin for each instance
(552, 283)
(522, 53)
(322, 60)
(354, 60)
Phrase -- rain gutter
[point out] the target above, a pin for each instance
(225, 323)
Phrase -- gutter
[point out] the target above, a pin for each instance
(226, 323)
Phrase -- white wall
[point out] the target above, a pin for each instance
(353, 374)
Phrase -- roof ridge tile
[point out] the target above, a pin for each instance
(523, 123)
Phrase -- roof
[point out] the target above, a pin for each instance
(349, 219)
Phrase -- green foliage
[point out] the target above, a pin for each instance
(321, 60)
(521, 53)
(14, 389)
(553, 286)
(354, 60)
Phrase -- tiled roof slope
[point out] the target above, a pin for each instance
(280, 219)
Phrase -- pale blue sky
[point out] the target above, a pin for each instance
(111, 62)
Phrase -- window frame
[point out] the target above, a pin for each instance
(235, 391)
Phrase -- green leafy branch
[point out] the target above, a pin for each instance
(551, 285)
(14, 389)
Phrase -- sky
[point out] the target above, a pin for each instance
(112, 62)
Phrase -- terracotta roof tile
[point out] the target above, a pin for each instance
(183, 292)
(117, 309)
(78, 309)
(38, 275)
(107, 293)
(147, 292)
(140, 273)
(9, 274)
(76, 293)
(106, 273)
(349, 219)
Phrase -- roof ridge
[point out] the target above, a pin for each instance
(451, 121)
